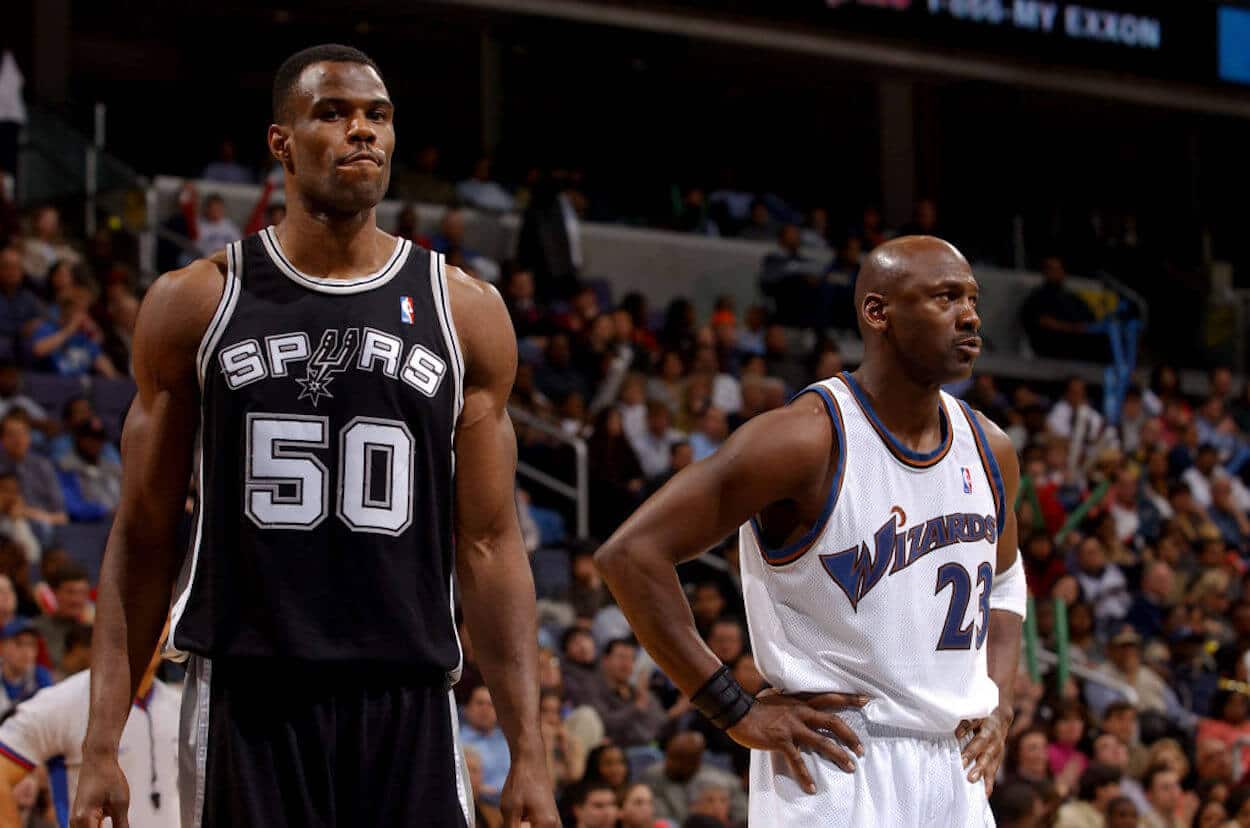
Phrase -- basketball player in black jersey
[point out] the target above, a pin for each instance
(345, 395)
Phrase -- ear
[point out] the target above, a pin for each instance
(279, 140)
(873, 309)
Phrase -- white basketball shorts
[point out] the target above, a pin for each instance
(906, 779)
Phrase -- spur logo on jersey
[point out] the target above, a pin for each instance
(338, 352)
(858, 569)
(331, 357)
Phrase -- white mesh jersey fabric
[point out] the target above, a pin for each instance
(891, 596)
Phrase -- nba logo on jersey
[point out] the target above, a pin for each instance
(967, 479)
(406, 313)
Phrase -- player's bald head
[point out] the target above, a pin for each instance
(892, 265)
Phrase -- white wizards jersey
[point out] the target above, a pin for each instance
(888, 594)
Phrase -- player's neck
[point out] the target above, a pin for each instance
(334, 247)
(908, 409)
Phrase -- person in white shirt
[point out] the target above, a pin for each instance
(1123, 506)
(654, 445)
(1103, 585)
(49, 729)
(11, 397)
(1073, 417)
(483, 193)
(1205, 471)
(632, 403)
(216, 230)
(726, 390)
(46, 246)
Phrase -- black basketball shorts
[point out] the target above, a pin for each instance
(267, 744)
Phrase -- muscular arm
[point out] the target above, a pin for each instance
(778, 456)
(984, 753)
(496, 584)
(142, 557)
(10, 774)
(1005, 627)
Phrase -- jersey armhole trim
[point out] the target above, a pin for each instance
(191, 561)
(793, 551)
(12, 755)
(441, 294)
(442, 304)
(988, 462)
(225, 309)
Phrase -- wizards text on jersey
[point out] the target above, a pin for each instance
(359, 349)
(857, 570)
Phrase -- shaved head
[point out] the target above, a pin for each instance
(890, 265)
(915, 302)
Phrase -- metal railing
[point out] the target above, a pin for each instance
(579, 490)
(1050, 659)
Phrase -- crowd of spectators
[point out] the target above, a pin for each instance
(67, 313)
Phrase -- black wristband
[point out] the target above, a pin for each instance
(722, 699)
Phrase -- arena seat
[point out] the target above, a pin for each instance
(85, 544)
(112, 398)
(52, 391)
(551, 571)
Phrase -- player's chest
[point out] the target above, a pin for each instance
(311, 351)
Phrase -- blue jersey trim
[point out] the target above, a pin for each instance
(915, 459)
(58, 779)
(989, 461)
(793, 551)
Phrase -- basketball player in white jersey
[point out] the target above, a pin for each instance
(878, 552)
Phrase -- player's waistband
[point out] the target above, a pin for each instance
(859, 722)
(328, 674)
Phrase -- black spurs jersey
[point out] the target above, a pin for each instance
(325, 465)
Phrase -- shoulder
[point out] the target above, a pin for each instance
(469, 295)
(796, 441)
(174, 317)
(1000, 445)
(483, 328)
(996, 438)
(202, 275)
(190, 289)
(180, 304)
(800, 425)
